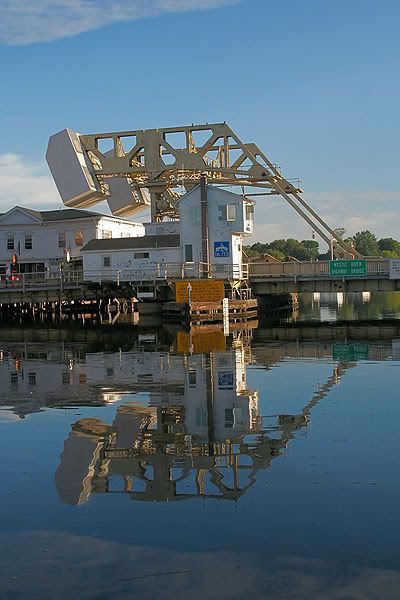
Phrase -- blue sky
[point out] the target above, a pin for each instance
(314, 83)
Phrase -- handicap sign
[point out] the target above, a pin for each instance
(221, 249)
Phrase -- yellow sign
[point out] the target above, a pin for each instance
(203, 290)
(201, 342)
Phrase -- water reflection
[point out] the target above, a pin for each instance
(343, 307)
(200, 434)
(185, 424)
(297, 425)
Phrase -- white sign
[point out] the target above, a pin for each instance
(394, 268)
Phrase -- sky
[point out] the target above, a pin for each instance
(315, 84)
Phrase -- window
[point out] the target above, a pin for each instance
(14, 380)
(201, 417)
(110, 371)
(188, 253)
(31, 379)
(28, 242)
(82, 379)
(78, 238)
(125, 234)
(106, 261)
(195, 214)
(145, 377)
(227, 212)
(192, 378)
(229, 417)
(231, 212)
(10, 242)
(62, 242)
(65, 378)
(106, 234)
(141, 255)
(249, 212)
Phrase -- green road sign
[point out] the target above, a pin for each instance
(350, 352)
(348, 268)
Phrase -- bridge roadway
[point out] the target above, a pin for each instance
(308, 277)
(264, 279)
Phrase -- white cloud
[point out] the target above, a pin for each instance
(51, 564)
(48, 20)
(25, 184)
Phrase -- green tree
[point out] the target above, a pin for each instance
(366, 243)
(276, 254)
(313, 248)
(389, 245)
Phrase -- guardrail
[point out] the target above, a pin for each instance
(156, 272)
(376, 268)
(24, 281)
(293, 269)
(165, 271)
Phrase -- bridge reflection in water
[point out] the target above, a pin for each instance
(201, 435)
(198, 431)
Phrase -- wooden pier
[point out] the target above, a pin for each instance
(211, 312)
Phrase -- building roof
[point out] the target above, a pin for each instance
(67, 213)
(145, 241)
(64, 214)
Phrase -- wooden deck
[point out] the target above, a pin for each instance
(209, 312)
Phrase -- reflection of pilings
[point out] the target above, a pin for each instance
(210, 402)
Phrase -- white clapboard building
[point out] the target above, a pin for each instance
(171, 248)
(39, 240)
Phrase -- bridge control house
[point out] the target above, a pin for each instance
(207, 238)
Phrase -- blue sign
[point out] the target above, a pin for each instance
(221, 250)
(225, 380)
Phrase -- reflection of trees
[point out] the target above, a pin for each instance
(379, 305)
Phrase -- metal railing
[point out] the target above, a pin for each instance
(48, 280)
(167, 271)
(313, 269)
(376, 268)
(156, 272)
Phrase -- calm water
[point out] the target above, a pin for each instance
(154, 464)
(347, 307)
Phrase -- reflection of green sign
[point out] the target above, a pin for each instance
(350, 352)
(349, 268)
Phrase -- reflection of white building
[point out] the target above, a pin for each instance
(194, 401)
(195, 382)
(41, 372)
(186, 381)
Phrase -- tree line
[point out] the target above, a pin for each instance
(365, 242)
